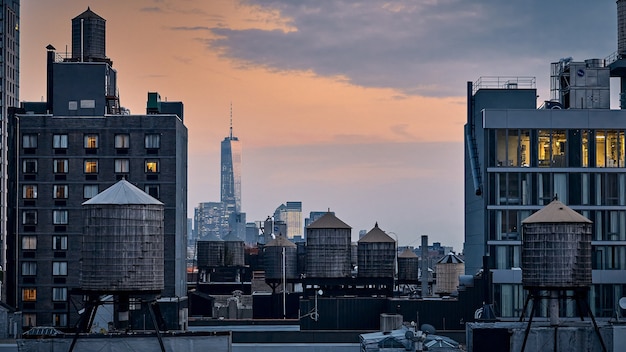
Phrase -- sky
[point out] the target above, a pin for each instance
(353, 106)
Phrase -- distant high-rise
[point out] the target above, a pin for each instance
(231, 171)
(291, 215)
(9, 97)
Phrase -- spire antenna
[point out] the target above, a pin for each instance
(231, 120)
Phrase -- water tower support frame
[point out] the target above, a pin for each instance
(582, 306)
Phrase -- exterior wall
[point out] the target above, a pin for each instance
(81, 83)
(168, 184)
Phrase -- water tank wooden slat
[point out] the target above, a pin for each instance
(123, 248)
(328, 252)
(274, 262)
(210, 254)
(556, 255)
(376, 259)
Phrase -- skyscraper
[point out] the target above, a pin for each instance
(291, 215)
(231, 171)
(9, 97)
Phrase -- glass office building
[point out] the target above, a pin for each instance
(519, 158)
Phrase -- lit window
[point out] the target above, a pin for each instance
(152, 190)
(91, 166)
(29, 166)
(29, 294)
(59, 268)
(122, 141)
(29, 242)
(60, 166)
(60, 191)
(29, 191)
(29, 141)
(59, 141)
(122, 166)
(29, 217)
(29, 268)
(152, 166)
(153, 141)
(59, 294)
(59, 217)
(90, 191)
(91, 141)
(59, 319)
(59, 242)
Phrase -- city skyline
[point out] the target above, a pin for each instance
(353, 107)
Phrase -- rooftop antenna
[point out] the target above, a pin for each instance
(231, 120)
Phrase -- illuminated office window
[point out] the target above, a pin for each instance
(29, 294)
(91, 141)
(152, 166)
(91, 166)
(29, 191)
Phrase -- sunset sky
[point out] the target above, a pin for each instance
(356, 106)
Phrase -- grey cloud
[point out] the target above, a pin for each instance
(195, 28)
(426, 47)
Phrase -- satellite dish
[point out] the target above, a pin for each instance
(622, 302)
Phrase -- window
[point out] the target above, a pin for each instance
(29, 217)
(59, 268)
(91, 166)
(29, 166)
(60, 191)
(59, 141)
(60, 166)
(153, 141)
(29, 191)
(59, 294)
(59, 319)
(59, 242)
(122, 166)
(152, 190)
(29, 242)
(29, 319)
(29, 141)
(29, 294)
(59, 217)
(90, 191)
(91, 141)
(152, 166)
(122, 141)
(29, 268)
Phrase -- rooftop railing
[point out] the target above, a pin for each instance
(505, 82)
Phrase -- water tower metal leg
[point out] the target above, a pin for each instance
(530, 320)
(595, 325)
(84, 322)
(521, 318)
(156, 326)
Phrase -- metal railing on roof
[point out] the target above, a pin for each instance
(505, 82)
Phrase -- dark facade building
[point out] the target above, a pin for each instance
(68, 156)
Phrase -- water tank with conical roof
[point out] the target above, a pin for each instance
(376, 254)
(273, 259)
(234, 249)
(408, 266)
(328, 248)
(210, 252)
(448, 270)
(556, 249)
(122, 241)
